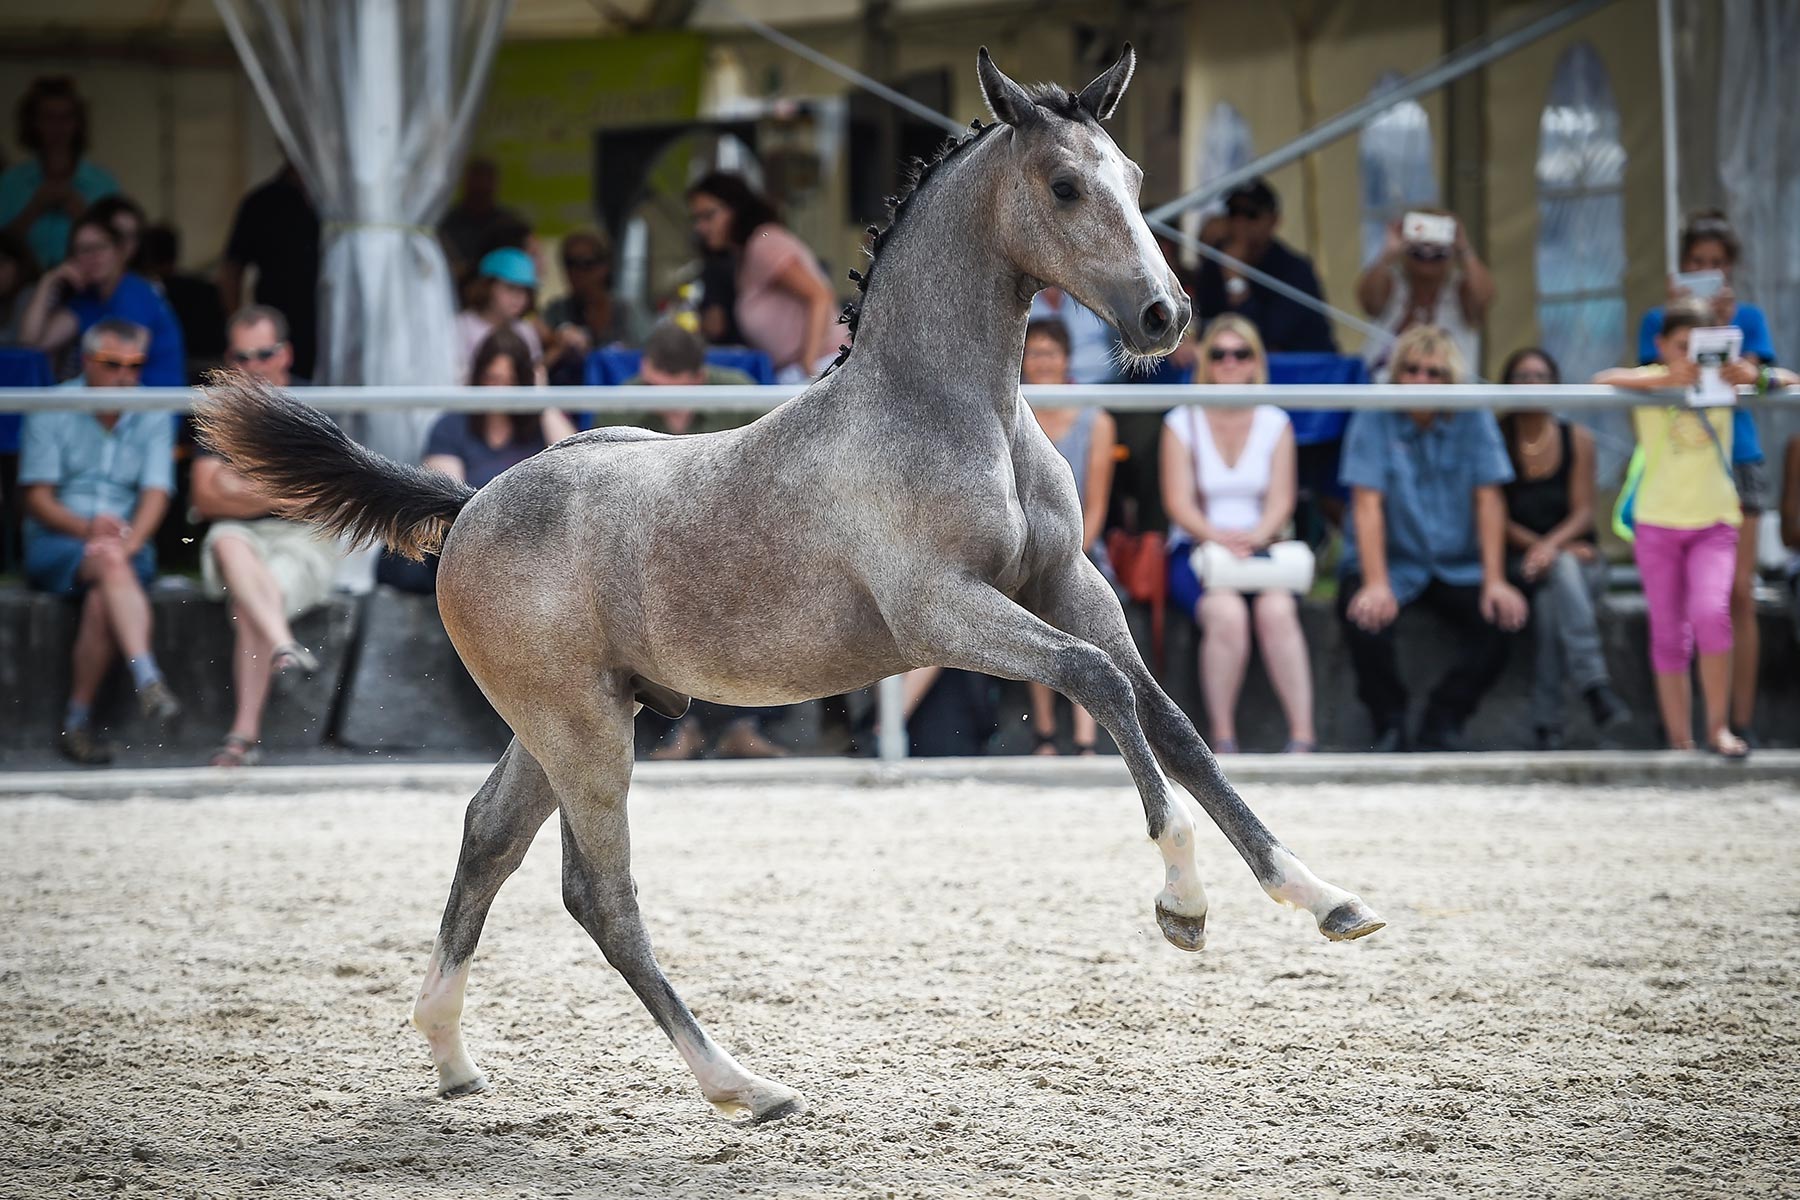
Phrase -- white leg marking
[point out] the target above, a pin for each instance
(1183, 893)
(1341, 915)
(438, 1015)
(728, 1087)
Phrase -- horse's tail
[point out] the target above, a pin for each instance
(296, 453)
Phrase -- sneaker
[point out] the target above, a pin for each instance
(84, 746)
(158, 703)
(1437, 738)
(1391, 741)
(1609, 712)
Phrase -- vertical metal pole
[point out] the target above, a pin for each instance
(1665, 38)
(890, 710)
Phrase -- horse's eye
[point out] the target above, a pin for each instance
(1062, 189)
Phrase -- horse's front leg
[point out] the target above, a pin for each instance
(966, 624)
(1076, 599)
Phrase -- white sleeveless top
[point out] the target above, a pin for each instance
(1230, 496)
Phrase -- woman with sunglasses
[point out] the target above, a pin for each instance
(1551, 554)
(1427, 526)
(1423, 282)
(1229, 477)
(590, 317)
(91, 285)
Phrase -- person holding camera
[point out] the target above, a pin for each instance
(1426, 274)
(1709, 253)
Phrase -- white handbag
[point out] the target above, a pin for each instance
(1283, 567)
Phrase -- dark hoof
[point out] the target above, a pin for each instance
(1183, 932)
(793, 1106)
(473, 1087)
(1350, 920)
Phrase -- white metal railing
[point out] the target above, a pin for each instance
(1123, 397)
(1118, 397)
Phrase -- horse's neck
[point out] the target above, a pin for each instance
(945, 313)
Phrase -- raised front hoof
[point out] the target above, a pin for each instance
(1184, 932)
(760, 1105)
(1350, 920)
(468, 1087)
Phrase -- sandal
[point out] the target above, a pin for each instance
(1044, 744)
(1085, 750)
(1728, 745)
(1297, 746)
(236, 751)
(1225, 746)
(292, 656)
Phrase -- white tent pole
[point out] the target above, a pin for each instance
(1665, 38)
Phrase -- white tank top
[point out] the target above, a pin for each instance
(1231, 496)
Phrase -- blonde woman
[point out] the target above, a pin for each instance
(1229, 477)
(1427, 525)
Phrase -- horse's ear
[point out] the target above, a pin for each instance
(1005, 99)
(1102, 96)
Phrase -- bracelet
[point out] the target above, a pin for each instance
(1764, 375)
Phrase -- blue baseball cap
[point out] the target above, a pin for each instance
(509, 266)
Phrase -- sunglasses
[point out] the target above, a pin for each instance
(581, 264)
(1239, 354)
(260, 354)
(1432, 372)
(134, 363)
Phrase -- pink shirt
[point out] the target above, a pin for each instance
(774, 320)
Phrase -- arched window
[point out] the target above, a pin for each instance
(1225, 146)
(1581, 219)
(1398, 171)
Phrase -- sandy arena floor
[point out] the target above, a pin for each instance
(1584, 993)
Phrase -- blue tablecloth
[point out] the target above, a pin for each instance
(20, 368)
(610, 368)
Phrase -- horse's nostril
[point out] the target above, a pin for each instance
(1156, 319)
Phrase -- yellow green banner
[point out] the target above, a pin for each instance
(547, 99)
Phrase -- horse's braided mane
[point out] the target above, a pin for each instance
(1057, 100)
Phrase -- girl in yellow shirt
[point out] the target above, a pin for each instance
(1687, 516)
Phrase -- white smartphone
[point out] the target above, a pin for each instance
(1428, 229)
(1701, 285)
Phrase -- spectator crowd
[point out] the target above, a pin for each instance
(1230, 516)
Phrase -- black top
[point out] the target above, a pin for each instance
(1540, 505)
(277, 231)
(1284, 324)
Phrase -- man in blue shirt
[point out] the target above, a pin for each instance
(96, 486)
(1428, 525)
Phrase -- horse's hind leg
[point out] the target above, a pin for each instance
(591, 777)
(1080, 602)
(501, 821)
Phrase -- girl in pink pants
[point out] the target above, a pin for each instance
(1686, 534)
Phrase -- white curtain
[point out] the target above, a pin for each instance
(373, 100)
(1759, 174)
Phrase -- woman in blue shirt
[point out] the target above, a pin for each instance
(41, 197)
(1708, 243)
(93, 284)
